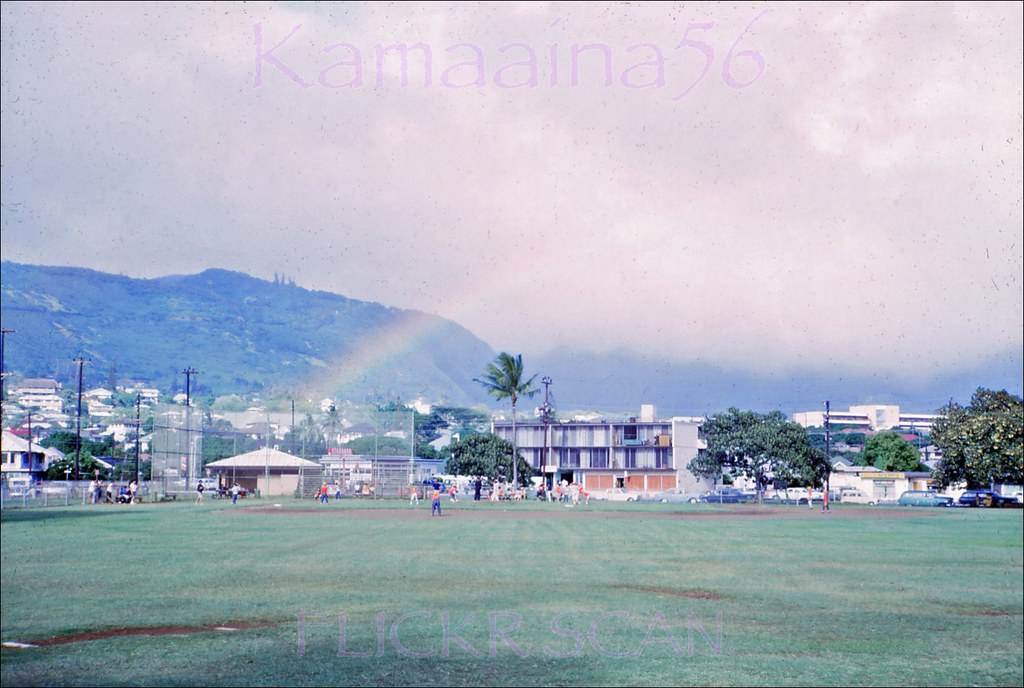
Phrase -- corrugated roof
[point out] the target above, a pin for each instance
(261, 458)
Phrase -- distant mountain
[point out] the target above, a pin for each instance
(241, 333)
(245, 334)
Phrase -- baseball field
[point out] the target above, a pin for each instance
(383, 593)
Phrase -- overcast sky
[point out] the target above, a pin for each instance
(768, 187)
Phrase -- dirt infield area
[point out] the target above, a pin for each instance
(589, 512)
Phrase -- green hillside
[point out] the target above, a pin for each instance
(243, 334)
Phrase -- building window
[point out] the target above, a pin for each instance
(538, 458)
(599, 457)
(570, 458)
(630, 458)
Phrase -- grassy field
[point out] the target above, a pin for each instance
(521, 594)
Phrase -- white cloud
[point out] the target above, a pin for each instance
(861, 197)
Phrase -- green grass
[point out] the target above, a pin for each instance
(934, 598)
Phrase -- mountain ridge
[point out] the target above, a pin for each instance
(249, 334)
(246, 334)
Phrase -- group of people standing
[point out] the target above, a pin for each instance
(564, 492)
(234, 492)
(110, 493)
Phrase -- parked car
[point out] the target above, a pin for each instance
(795, 495)
(856, 497)
(924, 498)
(676, 496)
(986, 498)
(616, 494)
(726, 495)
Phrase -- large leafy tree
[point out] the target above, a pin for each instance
(487, 455)
(982, 443)
(758, 446)
(504, 379)
(87, 467)
(889, 452)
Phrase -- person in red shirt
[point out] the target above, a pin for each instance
(323, 493)
(435, 498)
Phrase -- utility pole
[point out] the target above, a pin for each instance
(4, 331)
(192, 469)
(30, 442)
(78, 419)
(189, 372)
(546, 419)
(138, 434)
(3, 385)
(292, 447)
(828, 448)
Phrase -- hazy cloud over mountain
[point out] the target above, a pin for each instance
(841, 188)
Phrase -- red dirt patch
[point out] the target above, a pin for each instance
(85, 636)
(674, 592)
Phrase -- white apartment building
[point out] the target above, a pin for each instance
(870, 417)
(639, 454)
(40, 394)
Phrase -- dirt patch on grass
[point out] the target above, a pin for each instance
(673, 592)
(530, 512)
(103, 634)
(987, 611)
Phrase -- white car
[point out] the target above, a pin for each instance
(676, 496)
(616, 494)
(856, 497)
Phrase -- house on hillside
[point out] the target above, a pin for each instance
(41, 394)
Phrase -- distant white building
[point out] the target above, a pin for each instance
(98, 409)
(41, 394)
(99, 394)
(119, 431)
(870, 417)
(149, 395)
(420, 406)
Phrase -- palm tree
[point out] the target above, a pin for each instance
(330, 423)
(503, 379)
(310, 434)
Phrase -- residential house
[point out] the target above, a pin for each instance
(18, 460)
